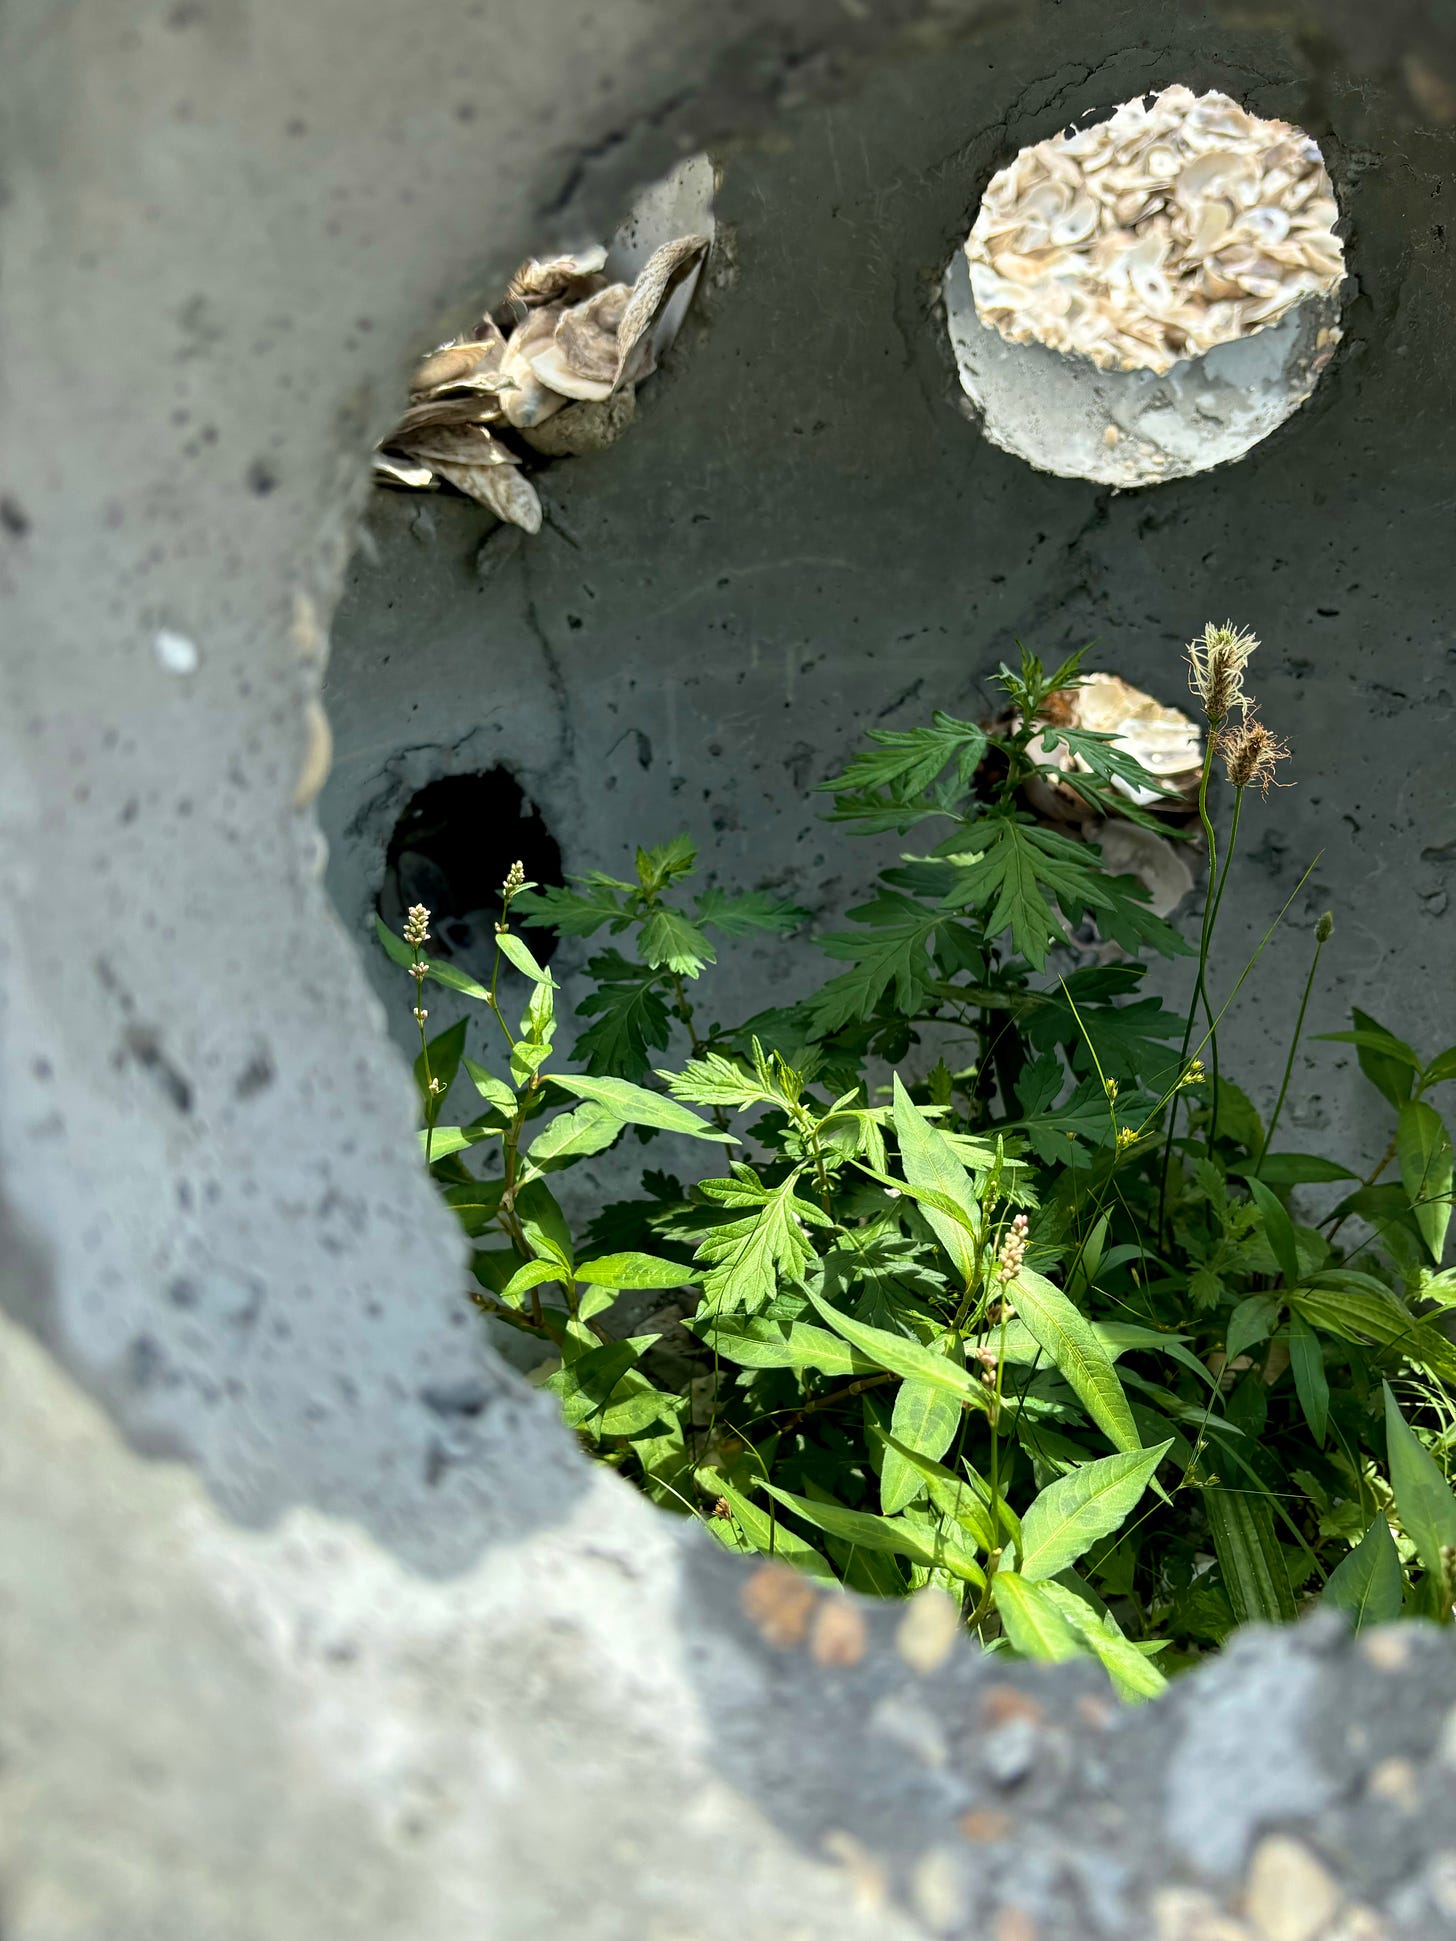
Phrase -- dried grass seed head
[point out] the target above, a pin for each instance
(1252, 753)
(1216, 664)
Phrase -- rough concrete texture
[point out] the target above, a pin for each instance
(451, 1679)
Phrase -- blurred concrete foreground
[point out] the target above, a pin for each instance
(313, 1622)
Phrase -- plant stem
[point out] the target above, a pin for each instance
(430, 1104)
(1199, 987)
(1203, 959)
(1289, 1061)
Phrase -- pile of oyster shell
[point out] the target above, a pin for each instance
(1155, 235)
(1167, 742)
(555, 367)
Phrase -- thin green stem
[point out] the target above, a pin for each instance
(1268, 1138)
(1203, 963)
(1199, 988)
(431, 1105)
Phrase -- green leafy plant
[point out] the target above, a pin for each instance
(1000, 1286)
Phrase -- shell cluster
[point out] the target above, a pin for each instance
(1155, 235)
(555, 368)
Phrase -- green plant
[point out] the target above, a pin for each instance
(1039, 1324)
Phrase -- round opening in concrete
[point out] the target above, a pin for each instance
(451, 849)
(1151, 295)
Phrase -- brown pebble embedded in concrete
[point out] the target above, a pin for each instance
(1291, 1896)
(926, 1635)
(840, 1633)
(777, 1602)
(1014, 1924)
(1388, 1649)
(1003, 1703)
(1396, 1780)
(868, 1881)
(985, 1825)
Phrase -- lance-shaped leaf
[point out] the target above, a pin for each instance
(1423, 1147)
(1253, 1568)
(1072, 1347)
(634, 1105)
(1133, 1674)
(930, 1162)
(1089, 1502)
(899, 1355)
(924, 1420)
(1032, 1621)
(763, 1533)
(761, 1342)
(1369, 1585)
(1422, 1495)
(884, 1534)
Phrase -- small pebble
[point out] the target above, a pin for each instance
(778, 1602)
(1291, 1895)
(1397, 1781)
(985, 1825)
(1009, 1753)
(1014, 1924)
(926, 1635)
(840, 1633)
(938, 1889)
(1388, 1649)
(175, 652)
(1188, 1914)
(1002, 1703)
(868, 1882)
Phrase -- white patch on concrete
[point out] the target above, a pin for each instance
(175, 652)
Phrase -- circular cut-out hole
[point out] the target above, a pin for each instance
(451, 849)
(1151, 295)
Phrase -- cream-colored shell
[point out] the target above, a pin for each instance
(1155, 235)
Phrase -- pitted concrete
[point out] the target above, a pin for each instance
(226, 228)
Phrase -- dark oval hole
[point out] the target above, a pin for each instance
(450, 850)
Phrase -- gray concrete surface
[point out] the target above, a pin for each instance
(312, 1618)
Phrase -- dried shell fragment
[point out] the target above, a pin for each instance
(1155, 235)
(509, 495)
(392, 468)
(565, 343)
(1167, 742)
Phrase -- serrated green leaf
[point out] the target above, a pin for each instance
(634, 1105)
(1368, 1586)
(929, 1162)
(574, 913)
(664, 864)
(899, 1355)
(671, 941)
(1032, 1621)
(890, 1537)
(713, 1079)
(909, 760)
(753, 910)
(1311, 1384)
(1252, 1563)
(1069, 1341)
(1423, 1148)
(924, 1420)
(631, 1018)
(890, 952)
(1089, 1502)
(1422, 1495)
(746, 1259)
